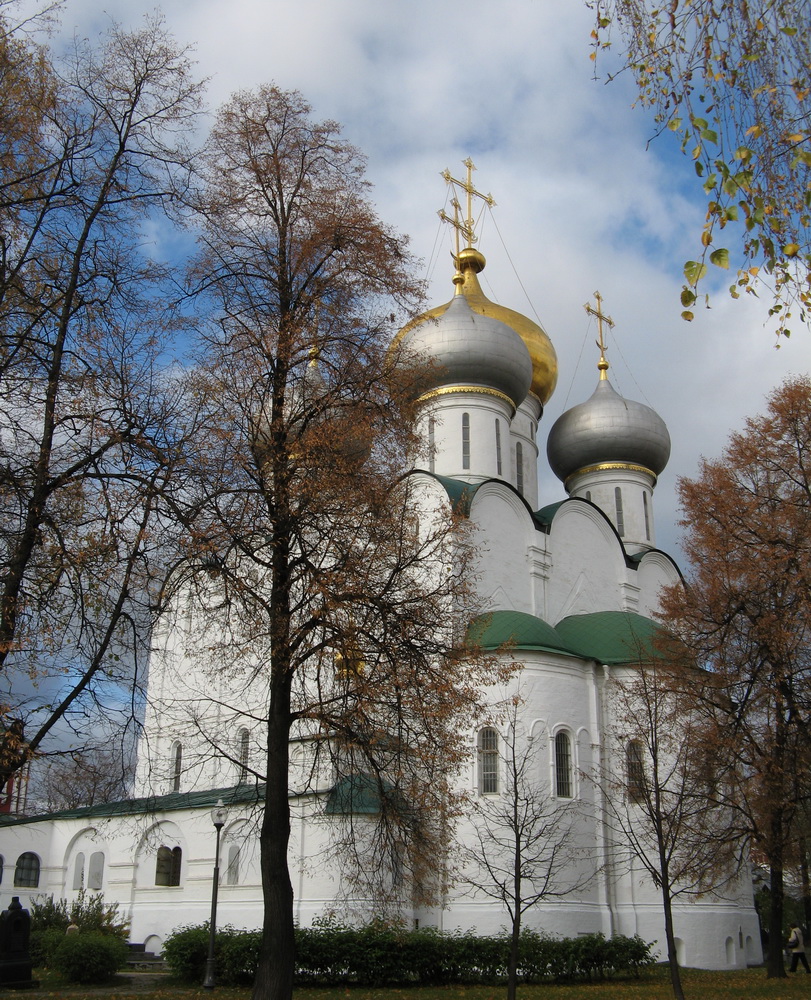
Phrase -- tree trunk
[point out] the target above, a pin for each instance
(512, 968)
(274, 975)
(775, 966)
(806, 883)
(672, 959)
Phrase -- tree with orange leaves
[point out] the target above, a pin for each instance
(745, 617)
(331, 585)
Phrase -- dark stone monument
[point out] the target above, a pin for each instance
(15, 962)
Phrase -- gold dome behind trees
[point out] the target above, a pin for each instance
(469, 262)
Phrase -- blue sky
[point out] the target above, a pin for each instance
(581, 203)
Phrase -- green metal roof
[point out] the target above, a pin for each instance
(610, 636)
(354, 795)
(459, 492)
(518, 630)
(545, 515)
(206, 799)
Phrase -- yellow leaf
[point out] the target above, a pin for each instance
(791, 249)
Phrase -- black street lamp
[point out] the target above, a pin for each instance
(218, 815)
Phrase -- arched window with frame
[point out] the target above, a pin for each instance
(519, 468)
(26, 871)
(620, 515)
(177, 765)
(243, 749)
(634, 771)
(78, 872)
(95, 871)
(167, 865)
(647, 515)
(487, 747)
(563, 766)
(232, 869)
(498, 447)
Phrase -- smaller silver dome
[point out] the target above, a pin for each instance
(607, 428)
(468, 349)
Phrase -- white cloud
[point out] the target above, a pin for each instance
(581, 204)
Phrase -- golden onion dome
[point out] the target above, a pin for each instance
(544, 359)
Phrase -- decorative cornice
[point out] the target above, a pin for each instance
(610, 466)
(452, 390)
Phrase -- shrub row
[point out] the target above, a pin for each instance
(377, 955)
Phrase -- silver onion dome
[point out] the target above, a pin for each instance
(607, 429)
(470, 351)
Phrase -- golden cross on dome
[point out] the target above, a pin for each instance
(601, 318)
(464, 227)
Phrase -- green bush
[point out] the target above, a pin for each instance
(237, 956)
(185, 952)
(89, 957)
(42, 945)
(378, 954)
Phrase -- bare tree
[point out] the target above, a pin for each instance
(660, 790)
(84, 778)
(335, 592)
(92, 148)
(526, 845)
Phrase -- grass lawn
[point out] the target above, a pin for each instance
(655, 985)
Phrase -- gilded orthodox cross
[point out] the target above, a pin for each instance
(464, 227)
(601, 318)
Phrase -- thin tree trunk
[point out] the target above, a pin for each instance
(775, 966)
(512, 969)
(672, 957)
(274, 976)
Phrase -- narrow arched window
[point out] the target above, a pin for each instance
(588, 495)
(26, 871)
(167, 865)
(563, 766)
(519, 468)
(465, 440)
(78, 872)
(177, 766)
(498, 447)
(647, 514)
(635, 771)
(432, 444)
(232, 871)
(488, 761)
(95, 871)
(243, 748)
(620, 517)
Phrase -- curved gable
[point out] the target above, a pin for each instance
(506, 531)
(588, 564)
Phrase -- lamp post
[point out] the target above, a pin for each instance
(218, 815)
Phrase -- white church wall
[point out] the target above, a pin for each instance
(504, 531)
(588, 564)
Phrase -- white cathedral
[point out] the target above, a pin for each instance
(570, 585)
